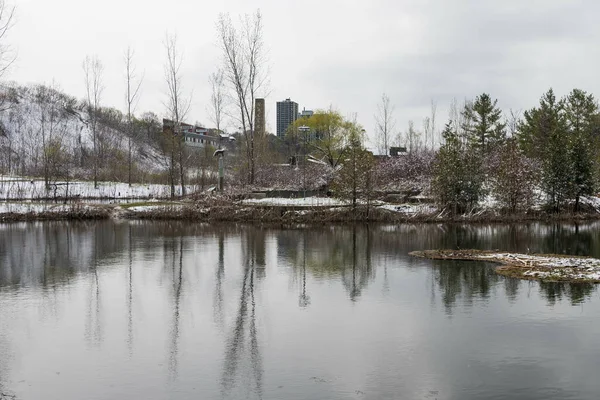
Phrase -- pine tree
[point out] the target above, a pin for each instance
(483, 123)
(544, 136)
(457, 173)
(538, 123)
(580, 112)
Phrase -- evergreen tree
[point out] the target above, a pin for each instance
(457, 173)
(580, 113)
(543, 135)
(483, 123)
(538, 123)
(581, 167)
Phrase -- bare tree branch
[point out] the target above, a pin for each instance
(218, 99)
(244, 59)
(133, 90)
(93, 70)
(7, 57)
(385, 124)
(177, 106)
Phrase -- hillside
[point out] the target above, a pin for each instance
(45, 131)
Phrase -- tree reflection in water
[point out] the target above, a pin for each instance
(130, 294)
(304, 298)
(358, 278)
(577, 293)
(219, 276)
(244, 335)
(177, 276)
(463, 280)
(93, 331)
(92, 259)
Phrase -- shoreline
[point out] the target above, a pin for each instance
(229, 211)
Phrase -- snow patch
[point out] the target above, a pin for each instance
(296, 202)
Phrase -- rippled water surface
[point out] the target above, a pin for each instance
(153, 310)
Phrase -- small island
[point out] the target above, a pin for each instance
(542, 267)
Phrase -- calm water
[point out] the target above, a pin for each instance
(152, 310)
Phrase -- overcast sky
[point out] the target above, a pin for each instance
(343, 53)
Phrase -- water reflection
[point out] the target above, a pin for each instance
(143, 301)
(332, 253)
(52, 254)
(243, 336)
(576, 293)
(358, 278)
(93, 331)
(219, 276)
(130, 291)
(176, 253)
(464, 281)
(304, 298)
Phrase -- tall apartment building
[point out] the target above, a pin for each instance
(287, 113)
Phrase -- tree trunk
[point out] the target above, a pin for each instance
(181, 169)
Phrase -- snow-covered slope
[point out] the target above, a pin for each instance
(37, 114)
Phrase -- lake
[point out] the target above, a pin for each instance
(173, 310)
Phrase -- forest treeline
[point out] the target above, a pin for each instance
(550, 155)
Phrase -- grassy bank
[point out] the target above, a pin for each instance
(289, 214)
(61, 215)
(223, 209)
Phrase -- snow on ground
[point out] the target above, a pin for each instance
(296, 202)
(591, 201)
(489, 202)
(573, 267)
(35, 189)
(155, 208)
(25, 208)
(552, 267)
(413, 209)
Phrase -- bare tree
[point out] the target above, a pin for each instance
(413, 137)
(512, 122)
(93, 70)
(133, 91)
(458, 119)
(432, 121)
(7, 56)
(47, 101)
(245, 71)
(216, 108)
(386, 124)
(177, 107)
(427, 131)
